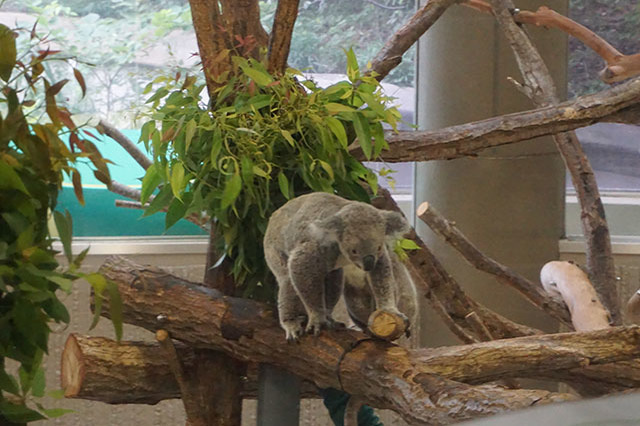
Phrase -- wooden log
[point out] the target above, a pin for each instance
(126, 372)
(249, 331)
(617, 104)
(568, 281)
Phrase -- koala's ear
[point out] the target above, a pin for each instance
(396, 224)
(333, 226)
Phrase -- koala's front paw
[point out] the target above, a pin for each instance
(293, 328)
(315, 324)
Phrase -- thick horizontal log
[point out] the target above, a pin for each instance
(101, 369)
(616, 104)
(248, 331)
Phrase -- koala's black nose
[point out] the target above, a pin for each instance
(368, 262)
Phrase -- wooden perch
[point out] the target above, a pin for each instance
(249, 332)
(471, 138)
(115, 134)
(280, 38)
(619, 66)
(479, 260)
(390, 56)
(571, 283)
(101, 369)
(542, 91)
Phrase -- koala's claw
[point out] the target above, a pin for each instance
(293, 329)
(315, 325)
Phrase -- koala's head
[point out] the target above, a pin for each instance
(361, 231)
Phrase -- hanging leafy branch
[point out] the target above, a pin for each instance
(261, 141)
(33, 160)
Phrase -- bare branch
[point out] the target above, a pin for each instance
(280, 39)
(543, 92)
(125, 191)
(619, 67)
(391, 53)
(532, 291)
(617, 104)
(115, 134)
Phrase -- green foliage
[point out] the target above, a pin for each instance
(262, 141)
(33, 159)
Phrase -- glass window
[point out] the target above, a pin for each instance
(123, 44)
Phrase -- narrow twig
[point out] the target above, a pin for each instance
(617, 104)
(391, 53)
(619, 66)
(596, 231)
(115, 134)
(194, 218)
(452, 235)
(125, 191)
(280, 39)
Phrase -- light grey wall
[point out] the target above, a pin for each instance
(509, 200)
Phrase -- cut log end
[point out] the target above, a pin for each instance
(386, 325)
(71, 368)
(422, 208)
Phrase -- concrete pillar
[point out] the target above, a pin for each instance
(509, 201)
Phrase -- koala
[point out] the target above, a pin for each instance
(309, 244)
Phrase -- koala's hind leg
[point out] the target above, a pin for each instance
(307, 270)
(333, 285)
(291, 312)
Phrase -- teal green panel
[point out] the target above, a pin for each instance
(100, 217)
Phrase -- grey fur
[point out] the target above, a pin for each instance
(313, 242)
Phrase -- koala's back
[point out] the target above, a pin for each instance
(291, 219)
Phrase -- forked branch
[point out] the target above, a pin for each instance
(619, 66)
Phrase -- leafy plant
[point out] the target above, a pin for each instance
(33, 160)
(261, 141)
